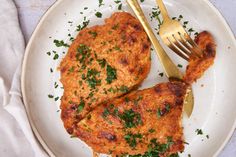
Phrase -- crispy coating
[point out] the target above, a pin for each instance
(102, 63)
(197, 66)
(131, 124)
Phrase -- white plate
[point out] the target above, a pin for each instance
(215, 99)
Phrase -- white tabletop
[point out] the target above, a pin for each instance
(30, 12)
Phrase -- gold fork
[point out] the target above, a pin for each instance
(170, 68)
(175, 37)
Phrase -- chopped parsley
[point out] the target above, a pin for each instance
(133, 139)
(111, 74)
(93, 34)
(98, 14)
(136, 101)
(84, 24)
(119, 4)
(60, 43)
(162, 112)
(56, 56)
(131, 119)
(124, 89)
(102, 62)
(56, 99)
(100, 3)
(156, 149)
(105, 113)
(50, 96)
(199, 132)
(92, 78)
(115, 27)
(83, 52)
(51, 70)
(180, 66)
(127, 99)
(151, 130)
(81, 106)
(49, 53)
(161, 74)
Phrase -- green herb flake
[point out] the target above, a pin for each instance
(49, 53)
(115, 27)
(60, 43)
(102, 62)
(98, 14)
(151, 130)
(124, 89)
(117, 48)
(111, 74)
(161, 74)
(93, 34)
(120, 7)
(100, 3)
(105, 113)
(56, 99)
(131, 119)
(50, 96)
(81, 106)
(199, 132)
(180, 66)
(51, 70)
(84, 24)
(159, 114)
(133, 139)
(127, 99)
(56, 56)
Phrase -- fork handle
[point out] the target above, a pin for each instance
(170, 68)
(163, 10)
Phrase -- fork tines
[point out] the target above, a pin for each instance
(184, 46)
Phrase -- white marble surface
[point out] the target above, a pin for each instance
(30, 12)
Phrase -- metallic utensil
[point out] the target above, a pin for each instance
(170, 68)
(175, 37)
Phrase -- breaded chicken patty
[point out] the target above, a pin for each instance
(102, 63)
(146, 122)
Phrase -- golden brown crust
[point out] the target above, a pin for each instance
(102, 63)
(197, 66)
(157, 114)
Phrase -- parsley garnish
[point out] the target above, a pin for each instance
(93, 34)
(50, 96)
(81, 106)
(111, 74)
(131, 139)
(100, 3)
(199, 132)
(102, 62)
(56, 56)
(99, 14)
(105, 113)
(130, 118)
(124, 89)
(60, 43)
(83, 25)
(180, 66)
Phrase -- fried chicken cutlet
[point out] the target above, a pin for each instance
(140, 123)
(102, 63)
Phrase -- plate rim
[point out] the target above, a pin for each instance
(27, 52)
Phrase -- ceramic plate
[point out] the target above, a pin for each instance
(215, 100)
